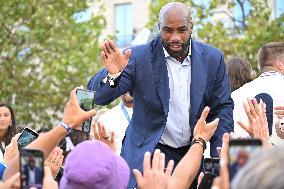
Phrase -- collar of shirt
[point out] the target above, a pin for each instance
(185, 62)
(270, 73)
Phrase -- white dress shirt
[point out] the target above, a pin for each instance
(177, 130)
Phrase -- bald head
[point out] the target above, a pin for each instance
(174, 9)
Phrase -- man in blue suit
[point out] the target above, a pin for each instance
(171, 78)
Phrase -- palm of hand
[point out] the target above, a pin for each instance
(115, 62)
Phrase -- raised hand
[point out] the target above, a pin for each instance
(155, 176)
(73, 115)
(101, 134)
(258, 126)
(113, 60)
(205, 130)
(11, 150)
(54, 161)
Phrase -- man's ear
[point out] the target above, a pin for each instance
(280, 65)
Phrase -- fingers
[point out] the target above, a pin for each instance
(12, 180)
(219, 151)
(252, 107)
(205, 113)
(214, 123)
(127, 53)
(73, 97)
(147, 162)
(255, 128)
(156, 159)
(244, 126)
(108, 47)
(162, 163)
(91, 113)
(279, 108)
(102, 132)
(112, 46)
(170, 168)
(112, 135)
(224, 172)
(201, 175)
(247, 110)
(224, 149)
(279, 111)
(138, 176)
(59, 157)
(96, 131)
(103, 56)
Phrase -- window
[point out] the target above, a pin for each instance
(123, 24)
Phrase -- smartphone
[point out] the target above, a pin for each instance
(86, 101)
(240, 151)
(26, 137)
(31, 168)
(211, 165)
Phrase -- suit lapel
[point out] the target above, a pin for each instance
(198, 79)
(160, 73)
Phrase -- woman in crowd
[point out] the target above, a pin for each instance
(7, 127)
(239, 72)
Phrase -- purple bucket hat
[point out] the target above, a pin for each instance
(93, 165)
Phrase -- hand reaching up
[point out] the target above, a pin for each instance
(113, 60)
(54, 161)
(258, 126)
(101, 134)
(155, 175)
(205, 130)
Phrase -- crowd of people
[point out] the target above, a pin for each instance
(177, 95)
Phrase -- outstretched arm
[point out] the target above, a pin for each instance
(73, 116)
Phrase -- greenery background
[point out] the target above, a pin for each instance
(44, 53)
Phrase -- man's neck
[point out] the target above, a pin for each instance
(128, 104)
(269, 69)
(2, 134)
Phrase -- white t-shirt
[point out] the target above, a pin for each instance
(271, 83)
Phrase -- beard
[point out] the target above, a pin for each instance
(176, 54)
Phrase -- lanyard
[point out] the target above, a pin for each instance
(125, 112)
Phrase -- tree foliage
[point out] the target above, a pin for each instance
(252, 28)
(44, 54)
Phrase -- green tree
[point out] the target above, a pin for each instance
(44, 53)
(248, 32)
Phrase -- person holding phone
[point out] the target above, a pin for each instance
(73, 116)
(171, 79)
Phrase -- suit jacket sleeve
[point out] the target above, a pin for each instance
(104, 93)
(221, 105)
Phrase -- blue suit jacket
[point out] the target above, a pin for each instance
(146, 78)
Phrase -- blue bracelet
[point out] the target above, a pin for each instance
(66, 126)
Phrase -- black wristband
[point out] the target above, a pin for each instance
(200, 141)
